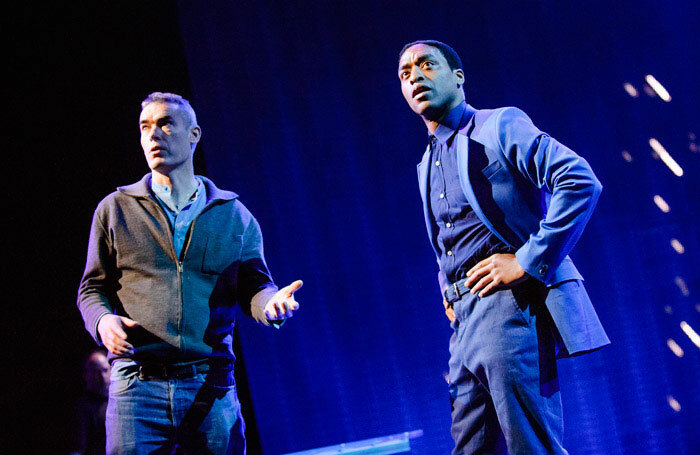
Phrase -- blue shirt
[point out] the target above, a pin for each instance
(180, 218)
(463, 240)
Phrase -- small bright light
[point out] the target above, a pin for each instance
(680, 282)
(661, 204)
(631, 91)
(692, 334)
(673, 346)
(665, 157)
(626, 156)
(658, 88)
(678, 246)
(668, 309)
(675, 405)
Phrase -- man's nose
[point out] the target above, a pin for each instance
(154, 132)
(416, 75)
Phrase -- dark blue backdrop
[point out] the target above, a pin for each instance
(302, 115)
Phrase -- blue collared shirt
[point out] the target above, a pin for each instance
(463, 239)
(180, 218)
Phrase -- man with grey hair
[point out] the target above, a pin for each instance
(168, 259)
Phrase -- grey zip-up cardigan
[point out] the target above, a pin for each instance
(185, 306)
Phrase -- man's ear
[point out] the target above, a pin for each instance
(195, 134)
(459, 74)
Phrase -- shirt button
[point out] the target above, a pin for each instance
(448, 224)
(449, 253)
(442, 195)
(437, 163)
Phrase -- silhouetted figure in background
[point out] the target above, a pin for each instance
(92, 404)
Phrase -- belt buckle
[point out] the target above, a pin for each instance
(144, 373)
(153, 372)
(183, 372)
(456, 288)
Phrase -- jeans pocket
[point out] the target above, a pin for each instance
(121, 386)
(519, 305)
(123, 376)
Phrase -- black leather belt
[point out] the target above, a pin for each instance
(158, 371)
(456, 291)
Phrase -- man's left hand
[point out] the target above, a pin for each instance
(449, 310)
(282, 305)
(496, 271)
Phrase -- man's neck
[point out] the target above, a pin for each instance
(431, 124)
(432, 119)
(181, 181)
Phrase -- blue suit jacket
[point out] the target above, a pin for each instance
(536, 195)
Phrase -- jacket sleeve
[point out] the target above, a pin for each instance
(559, 171)
(99, 277)
(255, 285)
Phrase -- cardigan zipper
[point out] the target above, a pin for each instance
(179, 261)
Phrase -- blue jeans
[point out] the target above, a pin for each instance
(503, 376)
(165, 416)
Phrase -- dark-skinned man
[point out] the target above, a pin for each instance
(504, 204)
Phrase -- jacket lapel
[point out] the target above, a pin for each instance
(423, 178)
(423, 187)
(462, 150)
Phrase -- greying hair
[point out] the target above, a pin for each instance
(172, 98)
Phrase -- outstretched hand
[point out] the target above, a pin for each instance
(282, 305)
(494, 272)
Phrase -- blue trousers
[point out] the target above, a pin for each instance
(503, 375)
(171, 416)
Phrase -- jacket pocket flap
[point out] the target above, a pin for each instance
(491, 169)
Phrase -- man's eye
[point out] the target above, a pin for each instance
(427, 64)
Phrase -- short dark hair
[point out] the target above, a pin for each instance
(450, 54)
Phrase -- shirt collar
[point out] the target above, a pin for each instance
(163, 193)
(457, 119)
(142, 188)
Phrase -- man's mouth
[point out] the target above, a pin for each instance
(418, 90)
